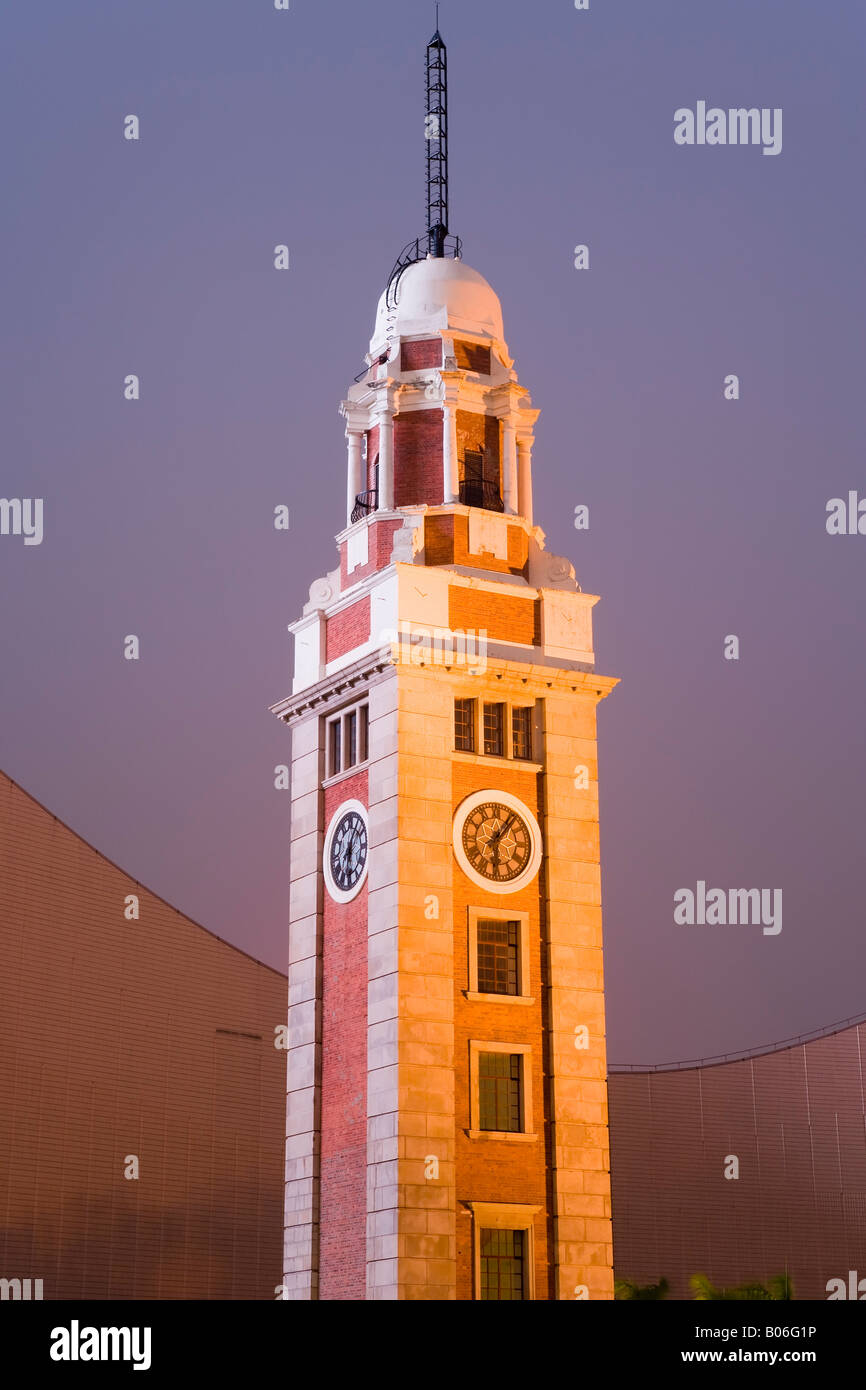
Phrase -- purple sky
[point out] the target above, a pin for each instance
(707, 517)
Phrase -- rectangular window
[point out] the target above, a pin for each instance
(498, 944)
(363, 732)
(335, 747)
(503, 1249)
(464, 725)
(499, 1091)
(346, 743)
(503, 1260)
(498, 941)
(521, 732)
(494, 728)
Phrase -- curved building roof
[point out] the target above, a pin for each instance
(439, 293)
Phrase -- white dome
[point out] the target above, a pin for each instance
(436, 293)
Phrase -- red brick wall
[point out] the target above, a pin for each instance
(499, 1170)
(347, 629)
(343, 1227)
(439, 540)
(380, 543)
(518, 549)
(504, 618)
(446, 542)
(426, 353)
(418, 458)
(472, 357)
(148, 1037)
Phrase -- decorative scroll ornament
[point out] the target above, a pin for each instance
(321, 592)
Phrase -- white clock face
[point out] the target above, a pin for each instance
(497, 842)
(346, 853)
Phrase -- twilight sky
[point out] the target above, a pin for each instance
(707, 517)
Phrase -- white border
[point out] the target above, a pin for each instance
(465, 809)
(341, 895)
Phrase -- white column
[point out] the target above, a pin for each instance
(450, 470)
(353, 475)
(524, 505)
(386, 461)
(509, 468)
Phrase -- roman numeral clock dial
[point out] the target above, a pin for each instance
(497, 842)
(346, 851)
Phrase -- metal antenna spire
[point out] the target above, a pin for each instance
(437, 241)
(436, 135)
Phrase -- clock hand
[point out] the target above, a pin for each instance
(499, 833)
(357, 844)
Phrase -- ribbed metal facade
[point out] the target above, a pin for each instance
(795, 1121)
(124, 1039)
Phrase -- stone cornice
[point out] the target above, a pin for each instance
(409, 390)
(331, 689)
(519, 677)
(524, 677)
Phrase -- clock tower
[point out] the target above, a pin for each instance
(447, 1105)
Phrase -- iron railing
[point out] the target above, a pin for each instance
(414, 251)
(478, 492)
(365, 502)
